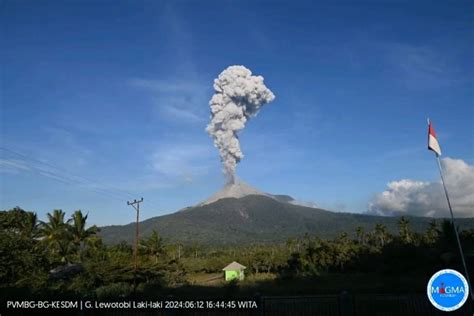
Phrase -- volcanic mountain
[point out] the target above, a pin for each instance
(239, 189)
(236, 190)
(240, 213)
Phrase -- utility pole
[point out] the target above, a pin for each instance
(136, 205)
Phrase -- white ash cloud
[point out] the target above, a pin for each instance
(419, 198)
(304, 203)
(238, 97)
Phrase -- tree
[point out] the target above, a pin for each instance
(179, 246)
(22, 261)
(56, 235)
(432, 233)
(381, 234)
(30, 227)
(290, 244)
(404, 230)
(360, 234)
(344, 250)
(94, 247)
(195, 249)
(79, 232)
(153, 246)
(448, 233)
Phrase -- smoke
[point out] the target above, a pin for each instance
(418, 198)
(238, 97)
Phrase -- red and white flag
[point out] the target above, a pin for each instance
(432, 140)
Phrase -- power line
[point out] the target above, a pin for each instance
(67, 181)
(66, 177)
(108, 188)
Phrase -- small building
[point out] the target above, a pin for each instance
(234, 271)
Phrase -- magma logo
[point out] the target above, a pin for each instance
(447, 290)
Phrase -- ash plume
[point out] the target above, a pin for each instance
(238, 97)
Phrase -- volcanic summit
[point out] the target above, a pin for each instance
(236, 189)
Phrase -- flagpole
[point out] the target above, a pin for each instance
(455, 228)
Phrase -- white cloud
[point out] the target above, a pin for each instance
(420, 198)
(165, 86)
(422, 66)
(65, 143)
(13, 166)
(178, 107)
(178, 100)
(182, 161)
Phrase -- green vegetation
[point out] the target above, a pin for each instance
(258, 219)
(63, 257)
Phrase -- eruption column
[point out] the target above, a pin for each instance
(238, 97)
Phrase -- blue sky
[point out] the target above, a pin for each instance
(115, 94)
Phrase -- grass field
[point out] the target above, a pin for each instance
(214, 285)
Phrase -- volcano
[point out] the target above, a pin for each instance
(239, 213)
(236, 189)
(239, 189)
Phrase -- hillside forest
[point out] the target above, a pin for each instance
(64, 257)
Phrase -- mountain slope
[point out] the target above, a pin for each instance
(236, 189)
(255, 218)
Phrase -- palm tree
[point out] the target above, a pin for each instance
(432, 233)
(179, 245)
(195, 249)
(404, 230)
(78, 230)
(360, 235)
(381, 234)
(343, 250)
(56, 234)
(30, 227)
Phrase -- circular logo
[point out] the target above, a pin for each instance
(447, 290)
